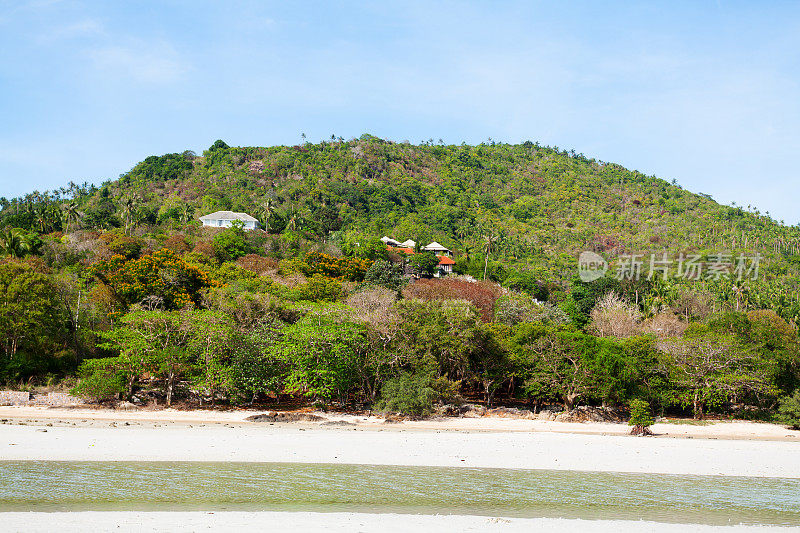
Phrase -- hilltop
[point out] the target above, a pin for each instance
(119, 290)
(535, 207)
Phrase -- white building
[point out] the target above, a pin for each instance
(224, 219)
(437, 248)
(388, 241)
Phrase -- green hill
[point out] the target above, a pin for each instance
(89, 270)
(539, 206)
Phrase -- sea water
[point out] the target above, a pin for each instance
(186, 486)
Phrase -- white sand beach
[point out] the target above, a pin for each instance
(335, 523)
(38, 433)
(728, 449)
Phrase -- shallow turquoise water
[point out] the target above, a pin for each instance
(183, 486)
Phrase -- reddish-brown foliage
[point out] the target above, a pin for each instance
(205, 249)
(256, 263)
(481, 294)
(176, 243)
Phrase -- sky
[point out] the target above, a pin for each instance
(707, 93)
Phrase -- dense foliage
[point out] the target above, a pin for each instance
(120, 285)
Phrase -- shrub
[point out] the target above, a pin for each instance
(231, 244)
(789, 410)
(256, 263)
(385, 274)
(318, 289)
(126, 246)
(614, 317)
(641, 418)
(411, 394)
(177, 244)
(481, 294)
(100, 379)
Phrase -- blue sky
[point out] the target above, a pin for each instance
(707, 93)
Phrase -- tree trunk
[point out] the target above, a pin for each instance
(170, 379)
(640, 430)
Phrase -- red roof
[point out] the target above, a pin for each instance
(444, 260)
(408, 251)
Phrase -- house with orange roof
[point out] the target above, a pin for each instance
(446, 262)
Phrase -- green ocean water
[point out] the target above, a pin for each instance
(187, 486)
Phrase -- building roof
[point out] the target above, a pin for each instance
(434, 246)
(228, 215)
(408, 251)
(389, 240)
(408, 244)
(444, 260)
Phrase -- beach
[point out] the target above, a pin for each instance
(724, 448)
(336, 523)
(754, 450)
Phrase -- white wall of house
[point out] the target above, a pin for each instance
(227, 224)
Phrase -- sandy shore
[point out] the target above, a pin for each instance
(54, 434)
(333, 522)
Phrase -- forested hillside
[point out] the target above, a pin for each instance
(123, 280)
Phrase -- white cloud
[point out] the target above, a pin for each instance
(81, 28)
(142, 62)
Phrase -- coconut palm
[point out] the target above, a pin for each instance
(15, 243)
(69, 214)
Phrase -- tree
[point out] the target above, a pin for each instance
(440, 335)
(70, 214)
(32, 318)
(162, 277)
(323, 357)
(231, 244)
(711, 369)
(408, 394)
(17, 243)
(614, 317)
(641, 418)
(385, 274)
(152, 342)
(789, 410)
(424, 263)
(556, 362)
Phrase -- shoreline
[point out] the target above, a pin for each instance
(301, 522)
(679, 429)
(210, 436)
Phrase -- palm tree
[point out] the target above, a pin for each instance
(15, 243)
(489, 241)
(69, 214)
(265, 209)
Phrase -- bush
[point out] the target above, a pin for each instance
(176, 243)
(789, 410)
(231, 244)
(481, 294)
(614, 317)
(100, 379)
(411, 394)
(385, 274)
(125, 246)
(256, 263)
(318, 289)
(641, 418)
